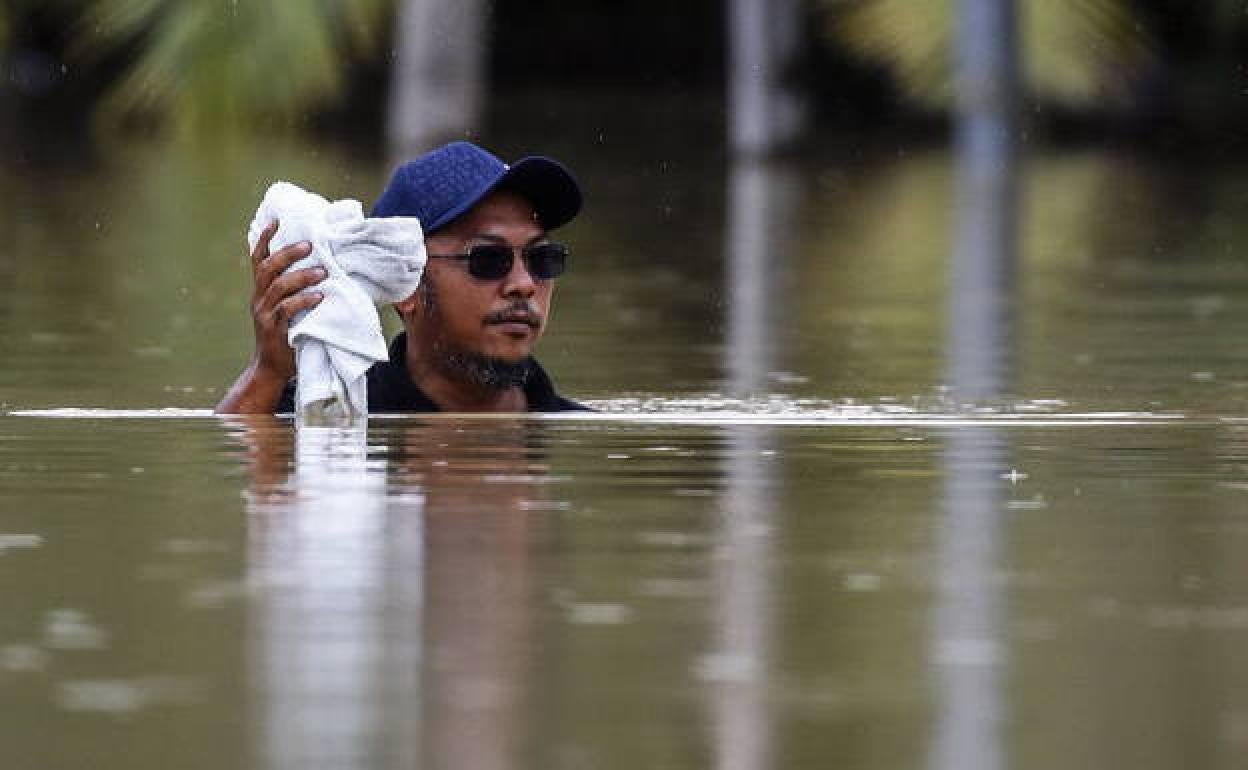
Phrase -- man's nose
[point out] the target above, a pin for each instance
(519, 282)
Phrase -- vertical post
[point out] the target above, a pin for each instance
(987, 73)
(765, 108)
(438, 81)
(759, 234)
(968, 639)
(982, 271)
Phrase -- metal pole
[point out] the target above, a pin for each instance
(438, 83)
(765, 109)
(982, 272)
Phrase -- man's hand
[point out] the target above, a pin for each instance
(276, 299)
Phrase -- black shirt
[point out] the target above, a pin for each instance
(390, 388)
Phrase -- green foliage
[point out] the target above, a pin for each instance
(1073, 51)
(209, 65)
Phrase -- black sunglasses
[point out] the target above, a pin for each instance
(492, 261)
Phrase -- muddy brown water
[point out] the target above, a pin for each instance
(785, 544)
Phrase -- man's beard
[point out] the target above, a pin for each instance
(485, 371)
(466, 365)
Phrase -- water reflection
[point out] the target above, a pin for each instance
(335, 625)
(397, 577)
(391, 621)
(968, 638)
(759, 235)
(763, 611)
(482, 490)
(968, 644)
(739, 669)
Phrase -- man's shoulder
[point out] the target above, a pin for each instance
(391, 389)
(541, 395)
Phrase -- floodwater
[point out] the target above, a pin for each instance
(784, 543)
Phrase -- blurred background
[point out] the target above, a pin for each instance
(1152, 73)
(785, 172)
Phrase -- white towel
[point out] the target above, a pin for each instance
(369, 260)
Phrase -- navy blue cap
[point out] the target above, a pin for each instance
(443, 184)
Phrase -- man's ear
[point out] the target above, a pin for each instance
(407, 306)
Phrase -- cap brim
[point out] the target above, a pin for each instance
(551, 188)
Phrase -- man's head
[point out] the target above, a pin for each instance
(475, 324)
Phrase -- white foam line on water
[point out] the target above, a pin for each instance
(88, 413)
(856, 417)
(880, 420)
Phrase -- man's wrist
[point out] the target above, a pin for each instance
(266, 376)
(257, 390)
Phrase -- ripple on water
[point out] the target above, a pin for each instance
(124, 696)
(20, 658)
(716, 409)
(72, 629)
(599, 614)
(19, 542)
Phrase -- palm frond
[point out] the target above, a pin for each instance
(1073, 51)
(912, 38)
(204, 64)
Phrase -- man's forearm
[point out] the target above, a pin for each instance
(254, 392)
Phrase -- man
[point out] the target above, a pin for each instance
(483, 300)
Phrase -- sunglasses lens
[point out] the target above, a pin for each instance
(546, 260)
(490, 261)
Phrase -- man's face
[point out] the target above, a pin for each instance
(455, 313)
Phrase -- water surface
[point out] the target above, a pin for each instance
(785, 543)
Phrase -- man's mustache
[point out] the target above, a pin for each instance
(518, 311)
